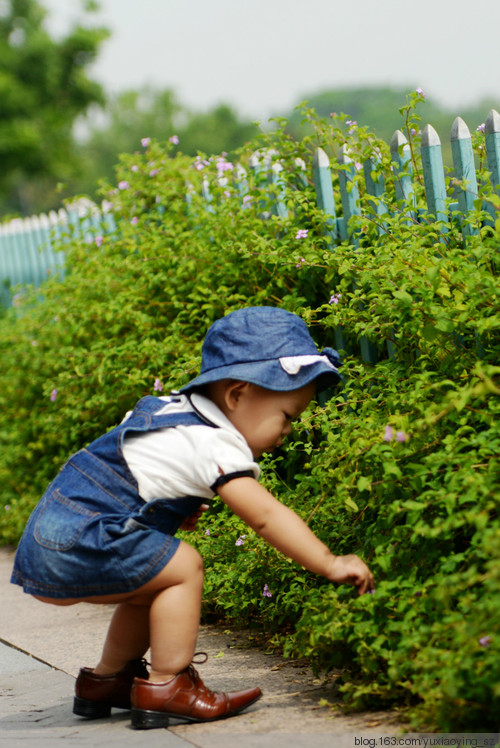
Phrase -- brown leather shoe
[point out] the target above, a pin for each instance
(185, 697)
(96, 694)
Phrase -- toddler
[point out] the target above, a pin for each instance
(104, 531)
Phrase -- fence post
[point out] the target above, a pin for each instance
(375, 186)
(403, 172)
(350, 203)
(240, 182)
(432, 165)
(322, 179)
(348, 191)
(323, 187)
(275, 179)
(259, 169)
(492, 142)
(465, 171)
(207, 195)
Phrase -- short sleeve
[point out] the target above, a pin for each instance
(224, 456)
(187, 461)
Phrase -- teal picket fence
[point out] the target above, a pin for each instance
(30, 248)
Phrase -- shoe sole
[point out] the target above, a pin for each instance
(146, 719)
(93, 709)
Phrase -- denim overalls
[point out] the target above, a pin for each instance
(91, 533)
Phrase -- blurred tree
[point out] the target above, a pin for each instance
(132, 115)
(127, 117)
(216, 131)
(43, 89)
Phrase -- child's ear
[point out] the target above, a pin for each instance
(234, 392)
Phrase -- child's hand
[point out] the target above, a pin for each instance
(191, 521)
(352, 570)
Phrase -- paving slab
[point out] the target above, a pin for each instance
(35, 710)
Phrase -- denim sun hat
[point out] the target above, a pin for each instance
(266, 346)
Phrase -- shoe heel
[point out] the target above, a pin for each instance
(142, 719)
(90, 709)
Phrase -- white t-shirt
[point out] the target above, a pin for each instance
(187, 460)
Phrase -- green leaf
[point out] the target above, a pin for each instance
(414, 506)
(351, 504)
(403, 296)
(430, 332)
(364, 483)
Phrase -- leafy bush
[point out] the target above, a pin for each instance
(400, 465)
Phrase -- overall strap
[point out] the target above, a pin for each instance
(149, 405)
(109, 448)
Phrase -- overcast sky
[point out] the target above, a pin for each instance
(265, 56)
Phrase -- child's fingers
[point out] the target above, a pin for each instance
(191, 521)
(352, 570)
(366, 585)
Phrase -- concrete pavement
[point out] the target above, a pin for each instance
(42, 647)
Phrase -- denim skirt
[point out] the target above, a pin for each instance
(91, 534)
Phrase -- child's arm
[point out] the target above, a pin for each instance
(290, 535)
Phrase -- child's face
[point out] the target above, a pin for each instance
(265, 417)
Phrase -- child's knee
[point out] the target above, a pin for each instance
(191, 558)
(186, 565)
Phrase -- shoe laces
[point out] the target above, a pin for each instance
(204, 655)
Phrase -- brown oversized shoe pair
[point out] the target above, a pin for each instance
(184, 697)
(96, 694)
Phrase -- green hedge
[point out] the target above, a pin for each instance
(400, 465)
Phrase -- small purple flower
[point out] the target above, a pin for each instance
(53, 395)
(299, 264)
(247, 199)
(266, 592)
(207, 531)
(335, 298)
(134, 168)
(401, 436)
(145, 142)
(154, 172)
(99, 240)
(240, 540)
(388, 433)
(200, 163)
(223, 165)
(485, 641)
(134, 221)
(420, 92)
(174, 139)
(301, 233)
(123, 185)
(158, 385)
(481, 128)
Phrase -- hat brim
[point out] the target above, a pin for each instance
(270, 375)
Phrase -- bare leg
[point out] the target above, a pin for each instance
(164, 612)
(175, 617)
(127, 638)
